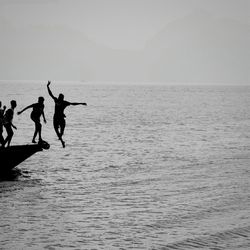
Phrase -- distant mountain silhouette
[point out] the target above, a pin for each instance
(197, 48)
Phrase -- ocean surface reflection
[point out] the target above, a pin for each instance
(145, 167)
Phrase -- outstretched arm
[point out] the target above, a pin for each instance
(20, 112)
(50, 93)
(43, 117)
(78, 103)
(13, 126)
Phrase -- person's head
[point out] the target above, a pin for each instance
(40, 100)
(61, 97)
(13, 104)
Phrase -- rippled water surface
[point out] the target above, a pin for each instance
(145, 167)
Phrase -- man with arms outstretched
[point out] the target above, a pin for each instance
(59, 116)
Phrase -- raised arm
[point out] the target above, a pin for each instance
(50, 93)
(20, 112)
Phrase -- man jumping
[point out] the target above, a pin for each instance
(59, 116)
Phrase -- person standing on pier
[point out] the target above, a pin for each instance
(2, 110)
(37, 112)
(8, 118)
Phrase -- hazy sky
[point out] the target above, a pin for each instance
(110, 28)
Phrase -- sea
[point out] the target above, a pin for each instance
(146, 166)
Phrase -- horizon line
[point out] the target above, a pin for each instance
(120, 82)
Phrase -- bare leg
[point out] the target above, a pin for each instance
(61, 133)
(63, 124)
(1, 138)
(39, 130)
(9, 135)
(57, 125)
(56, 128)
(35, 134)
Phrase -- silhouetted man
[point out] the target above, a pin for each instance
(59, 116)
(2, 110)
(37, 112)
(8, 118)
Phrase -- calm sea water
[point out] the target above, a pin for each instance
(145, 167)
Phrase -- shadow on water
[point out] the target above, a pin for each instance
(16, 180)
(13, 175)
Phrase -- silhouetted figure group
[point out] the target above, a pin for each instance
(6, 117)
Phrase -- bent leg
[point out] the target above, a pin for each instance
(1, 137)
(59, 124)
(9, 135)
(56, 127)
(62, 125)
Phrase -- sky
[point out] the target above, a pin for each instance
(125, 40)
